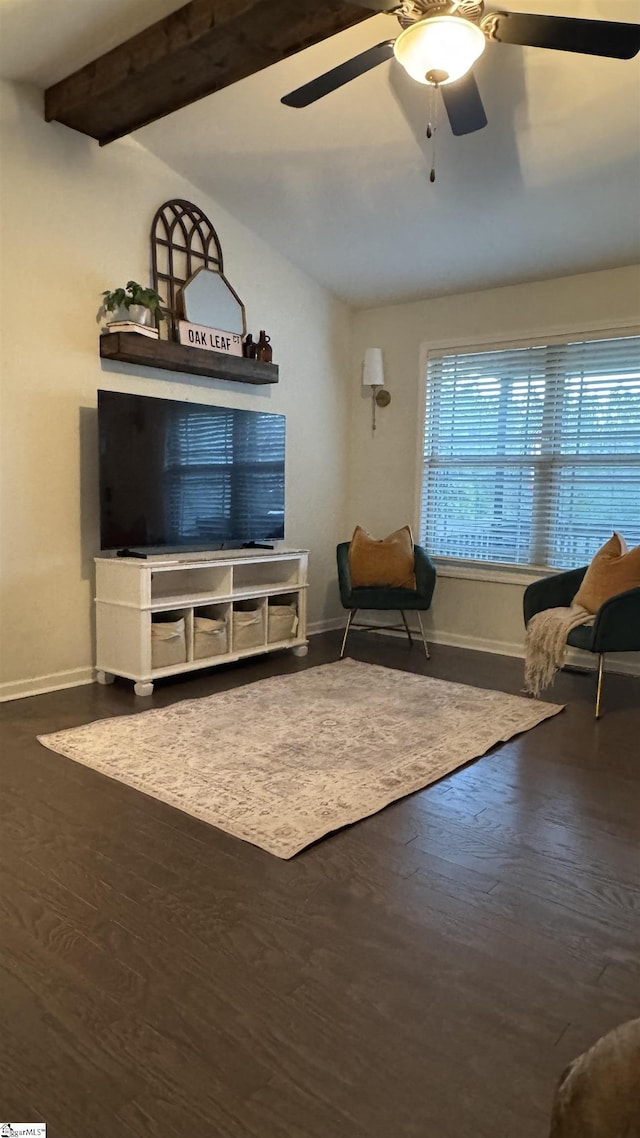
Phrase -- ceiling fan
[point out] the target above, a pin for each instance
(442, 39)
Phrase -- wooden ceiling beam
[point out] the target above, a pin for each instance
(204, 46)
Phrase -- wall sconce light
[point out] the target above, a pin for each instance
(373, 377)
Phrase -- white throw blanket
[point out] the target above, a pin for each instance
(546, 643)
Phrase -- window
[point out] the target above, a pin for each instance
(532, 454)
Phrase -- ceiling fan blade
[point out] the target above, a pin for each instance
(339, 75)
(463, 105)
(590, 37)
(378, 5)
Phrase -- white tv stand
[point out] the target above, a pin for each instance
(130, 590)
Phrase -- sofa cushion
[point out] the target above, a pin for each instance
(388, 562)
(613, 570)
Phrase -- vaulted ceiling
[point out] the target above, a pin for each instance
(550, 187)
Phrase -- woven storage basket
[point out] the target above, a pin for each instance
(168, 643)
(248, 628)
(282, 622)
(210, 637)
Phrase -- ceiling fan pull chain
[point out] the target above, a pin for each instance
(432, 126)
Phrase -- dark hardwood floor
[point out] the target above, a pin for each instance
(426, 973)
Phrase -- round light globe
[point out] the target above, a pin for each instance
(444, 47)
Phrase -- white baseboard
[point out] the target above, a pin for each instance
(575, 657)
(39, 685)
(326, 625)
(76, 677)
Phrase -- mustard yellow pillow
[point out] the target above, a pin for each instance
(613, 570)
(387, 562)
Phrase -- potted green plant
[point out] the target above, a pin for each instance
(131, 303)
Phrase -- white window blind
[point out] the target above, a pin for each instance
(532, 454)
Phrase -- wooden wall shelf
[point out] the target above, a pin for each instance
(131, 348)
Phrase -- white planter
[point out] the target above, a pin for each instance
(120, 313)
(140, 313)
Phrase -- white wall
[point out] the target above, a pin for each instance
(383, 490)
(75, 220)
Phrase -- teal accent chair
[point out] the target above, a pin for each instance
(388, 598)
(616, 627)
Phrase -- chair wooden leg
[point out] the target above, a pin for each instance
(599, 691)
(408, 630)
(352, 613)
(424, 639)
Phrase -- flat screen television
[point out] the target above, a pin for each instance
(176, 475)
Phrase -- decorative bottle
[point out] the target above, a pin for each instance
(263, 348)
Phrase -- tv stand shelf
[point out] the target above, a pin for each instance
(131, 348)
(232, 587)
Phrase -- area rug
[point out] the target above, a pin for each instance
(284, 761)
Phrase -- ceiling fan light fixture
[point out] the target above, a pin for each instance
(440, 49)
